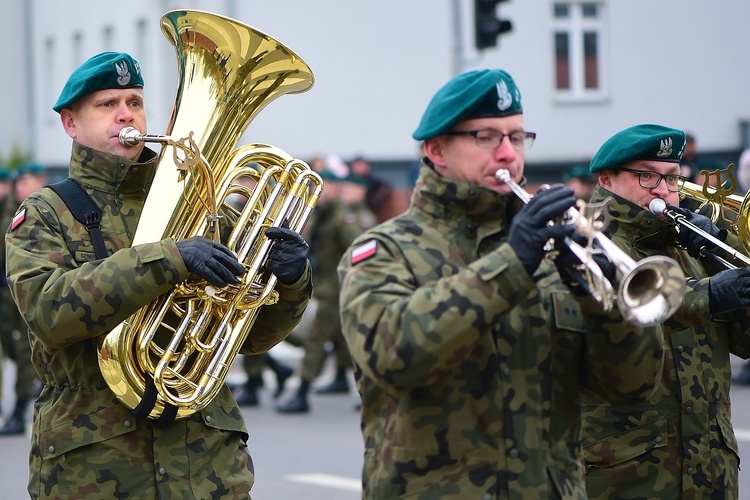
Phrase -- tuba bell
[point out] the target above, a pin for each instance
(171, 357)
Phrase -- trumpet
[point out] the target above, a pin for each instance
(659, 207)
(649, 291)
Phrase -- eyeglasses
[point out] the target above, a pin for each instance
(490, 139)
(650, 180)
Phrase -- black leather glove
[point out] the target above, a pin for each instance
(210, 260)
(288, 257)
(568, 263)
(729, 290)
(693, 241)
(529, 230)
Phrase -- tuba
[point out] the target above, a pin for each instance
(171, 357)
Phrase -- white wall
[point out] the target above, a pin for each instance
(678, 62)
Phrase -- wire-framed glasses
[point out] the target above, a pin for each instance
(490, 139)
(649, 180)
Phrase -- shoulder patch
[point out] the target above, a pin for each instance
(364, 251)
(17, 220)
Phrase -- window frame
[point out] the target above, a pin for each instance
(576, 26)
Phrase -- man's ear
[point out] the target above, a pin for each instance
(68, 122)
(605, 179)
(433, 149)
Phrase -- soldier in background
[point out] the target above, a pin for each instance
(377, 192)
(470, 353)
(579, 179)
(341, 216)
(13, 329)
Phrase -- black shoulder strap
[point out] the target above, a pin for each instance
(84, 210)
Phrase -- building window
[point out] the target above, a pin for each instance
(578, 40)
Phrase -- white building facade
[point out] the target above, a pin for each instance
(586, 69)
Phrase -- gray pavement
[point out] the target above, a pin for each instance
(317, 456)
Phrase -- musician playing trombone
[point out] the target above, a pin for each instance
(84, 442)
(470, 353)
(679, 443)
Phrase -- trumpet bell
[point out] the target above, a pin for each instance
(652, 291)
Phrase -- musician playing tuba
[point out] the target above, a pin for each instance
(470, 352)
(679, 443)
(84, 441)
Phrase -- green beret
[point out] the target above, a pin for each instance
(327, 175)
(30, 168)
(355, 179)
(108, 70)
(475, 94)
(642, 142)
(4, 173)
(577, 172)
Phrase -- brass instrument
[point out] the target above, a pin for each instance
(172, 356)
(659, 207)
(721, 199)
(649, 291)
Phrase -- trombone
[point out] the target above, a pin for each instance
(650, 290)
(659, 206)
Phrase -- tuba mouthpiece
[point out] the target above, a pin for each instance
(129, 137)
(657, 206)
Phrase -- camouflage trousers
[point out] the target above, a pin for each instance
(325, 328)
(254, 364)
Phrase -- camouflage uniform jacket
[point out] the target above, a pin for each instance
(85, 444)
(680, 443)
(470, 370)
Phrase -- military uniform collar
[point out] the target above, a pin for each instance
(636, 225)
(111, 173)
(442, 197)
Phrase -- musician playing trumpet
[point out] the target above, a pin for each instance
(679, 443)
(470, 352)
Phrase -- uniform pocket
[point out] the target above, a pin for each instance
(627, 445)
(66, 435)
(568, 313)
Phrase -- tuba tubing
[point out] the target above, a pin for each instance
(650, 290)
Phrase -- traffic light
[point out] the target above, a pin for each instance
(487, 26)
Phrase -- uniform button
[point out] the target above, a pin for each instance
(487, 496)
(208, 419)
(680, 348)
(51, 449)
(506, 371)
(162, 471)
(472, 192)
(689, 410)
(690, 471)
(513, 453)
(121, 196)
(469, 226)
(127, 423)
(657, 439)
(135, 170)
